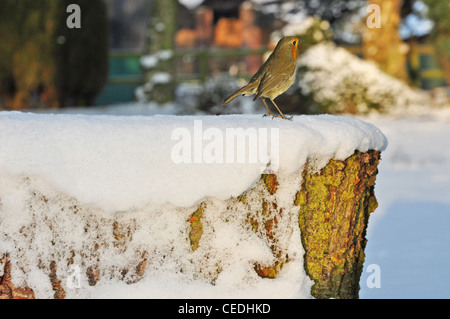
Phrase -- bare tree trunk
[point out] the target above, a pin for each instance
(160, 85)
(381, 42)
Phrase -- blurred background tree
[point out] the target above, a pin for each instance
(439, 12)
(81, 55)
(160, 47)
(26, 52)
(383, 44)
(43, 63)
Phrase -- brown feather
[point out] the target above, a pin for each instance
(245, 90)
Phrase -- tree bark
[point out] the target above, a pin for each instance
(7, 288)
(334, 212)
(334, 208)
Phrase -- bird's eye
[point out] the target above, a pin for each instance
(294, 43)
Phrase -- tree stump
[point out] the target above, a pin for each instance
(334, 211)
(332, 205)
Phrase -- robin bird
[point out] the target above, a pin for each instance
(274, 77)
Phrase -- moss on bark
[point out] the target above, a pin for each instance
(271, 182)
(196, 231)
(334, 211)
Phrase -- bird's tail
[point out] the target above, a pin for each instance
(245, 90)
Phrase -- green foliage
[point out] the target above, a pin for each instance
(26, 48)
(439, 11)
(35, 69)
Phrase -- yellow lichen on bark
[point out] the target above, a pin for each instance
(196, 231)
(334, 210)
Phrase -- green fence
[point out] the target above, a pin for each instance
(424, 69)
(126, 74)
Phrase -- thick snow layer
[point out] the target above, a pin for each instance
(119, 163)
(336, 76)
(108, 193)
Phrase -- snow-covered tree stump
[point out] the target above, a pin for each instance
(102, 205)
(334, 207)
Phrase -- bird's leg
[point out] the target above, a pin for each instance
(270, 113)
(282, 115)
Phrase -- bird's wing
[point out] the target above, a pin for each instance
(274, 79)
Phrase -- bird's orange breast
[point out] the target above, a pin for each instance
(294, 48)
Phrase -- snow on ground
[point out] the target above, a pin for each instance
(407, 234)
